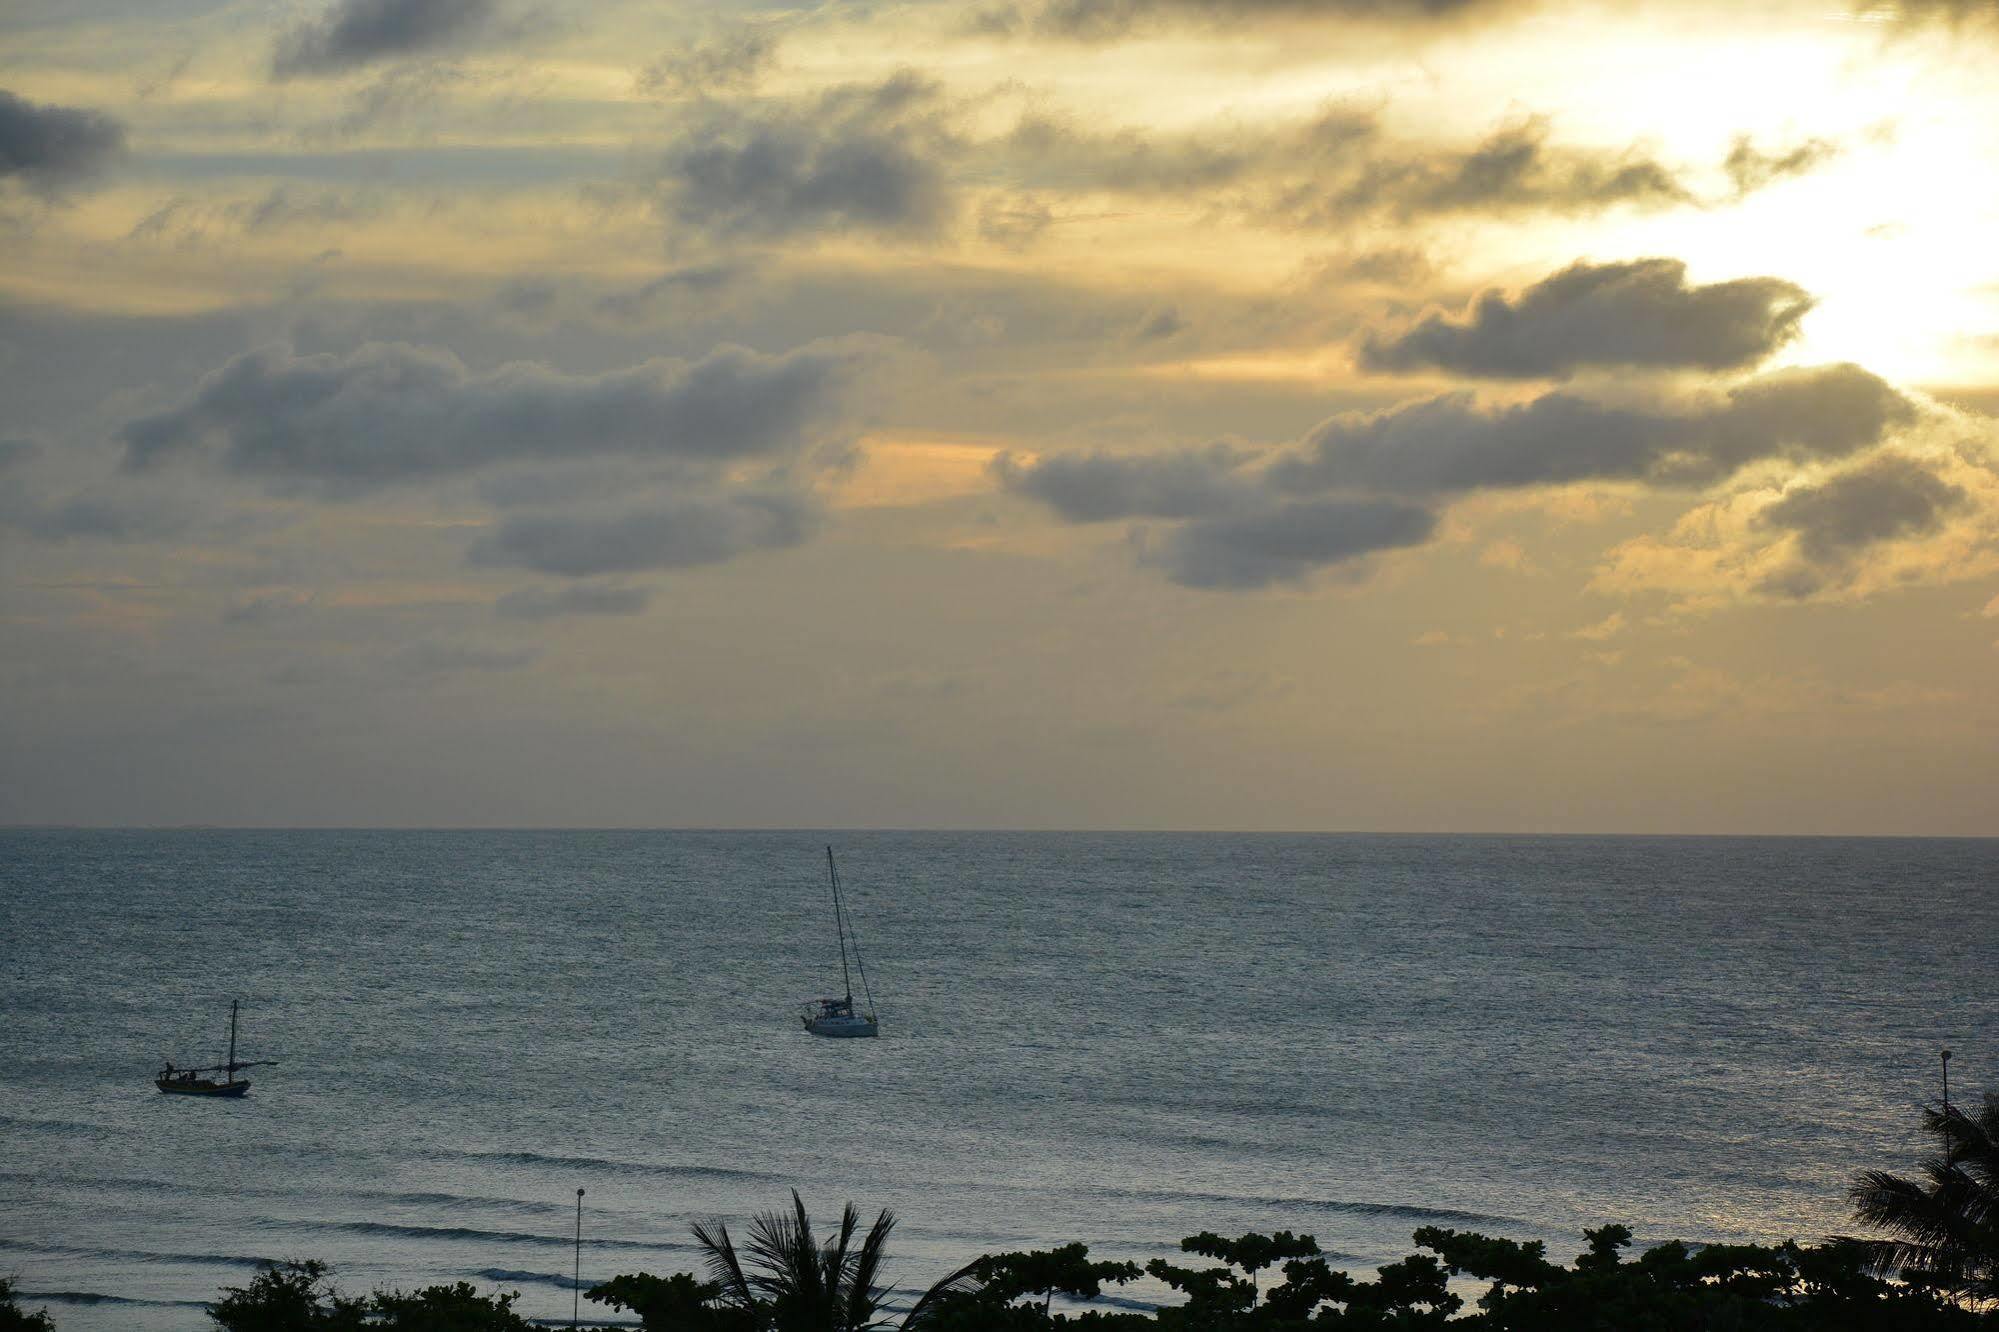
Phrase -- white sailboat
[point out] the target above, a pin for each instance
(839, 1017)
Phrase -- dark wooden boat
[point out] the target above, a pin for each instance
(200, 1082)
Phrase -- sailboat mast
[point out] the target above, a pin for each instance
(840, 924)
(232, 1038)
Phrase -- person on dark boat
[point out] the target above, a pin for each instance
(196, 1081)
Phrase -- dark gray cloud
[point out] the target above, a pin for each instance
(1099, 487)
(47, 146)
(1288, 541)
(1453, 443)
(14, 452)
(1816, 413)
(1234, 533)
(1751, 168)
(863, 157)
(390, 412)
(1339, 167)
(1103, 20)
(539, 603)
(1883, 499)
(1246, 519)
(729, 62)
(1638, 314)
(685, 532)
(1515, 169)
(353, 33)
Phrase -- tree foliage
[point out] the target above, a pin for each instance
(298, 1296)
(1944, 1222)
(292, 1296)
(791, 1282)
(1681, 1288)
(13, 1318)
(784, 1279)
(987, 1292)
(453, 1308)
(678, 1303)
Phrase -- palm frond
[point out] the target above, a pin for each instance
(788, 1280)
(787, 1256)
(835, 1257)
(865, 1290)
(1915, 1211)
(724, 1267)
(967, 1280)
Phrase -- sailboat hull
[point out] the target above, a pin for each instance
(841, 1026)
(201, 1087)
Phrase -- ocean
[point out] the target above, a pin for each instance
(1115, 1038)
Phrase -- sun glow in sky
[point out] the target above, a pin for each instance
(1507, 414)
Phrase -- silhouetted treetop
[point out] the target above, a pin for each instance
(1944, 1222)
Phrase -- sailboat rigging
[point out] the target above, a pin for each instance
(838, 1017)
(196, 1082)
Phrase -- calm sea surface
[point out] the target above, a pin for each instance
(1116, 1038)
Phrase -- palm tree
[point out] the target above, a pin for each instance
(796, 1283)
(1946, 1222)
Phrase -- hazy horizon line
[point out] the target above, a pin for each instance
(1077, 831)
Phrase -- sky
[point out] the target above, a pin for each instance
(1386, 415)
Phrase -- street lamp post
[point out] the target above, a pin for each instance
(576, 1281)
(1946, 1082)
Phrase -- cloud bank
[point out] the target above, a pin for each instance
(1888, 497)
(47, 145)
(1100, 487)
(388, 413)
(353, 33)
(1454, 443)
(1640, 315)
(1923, 512)
(1366, 482)
(864, 157)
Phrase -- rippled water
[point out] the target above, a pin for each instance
(1115, 1038)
